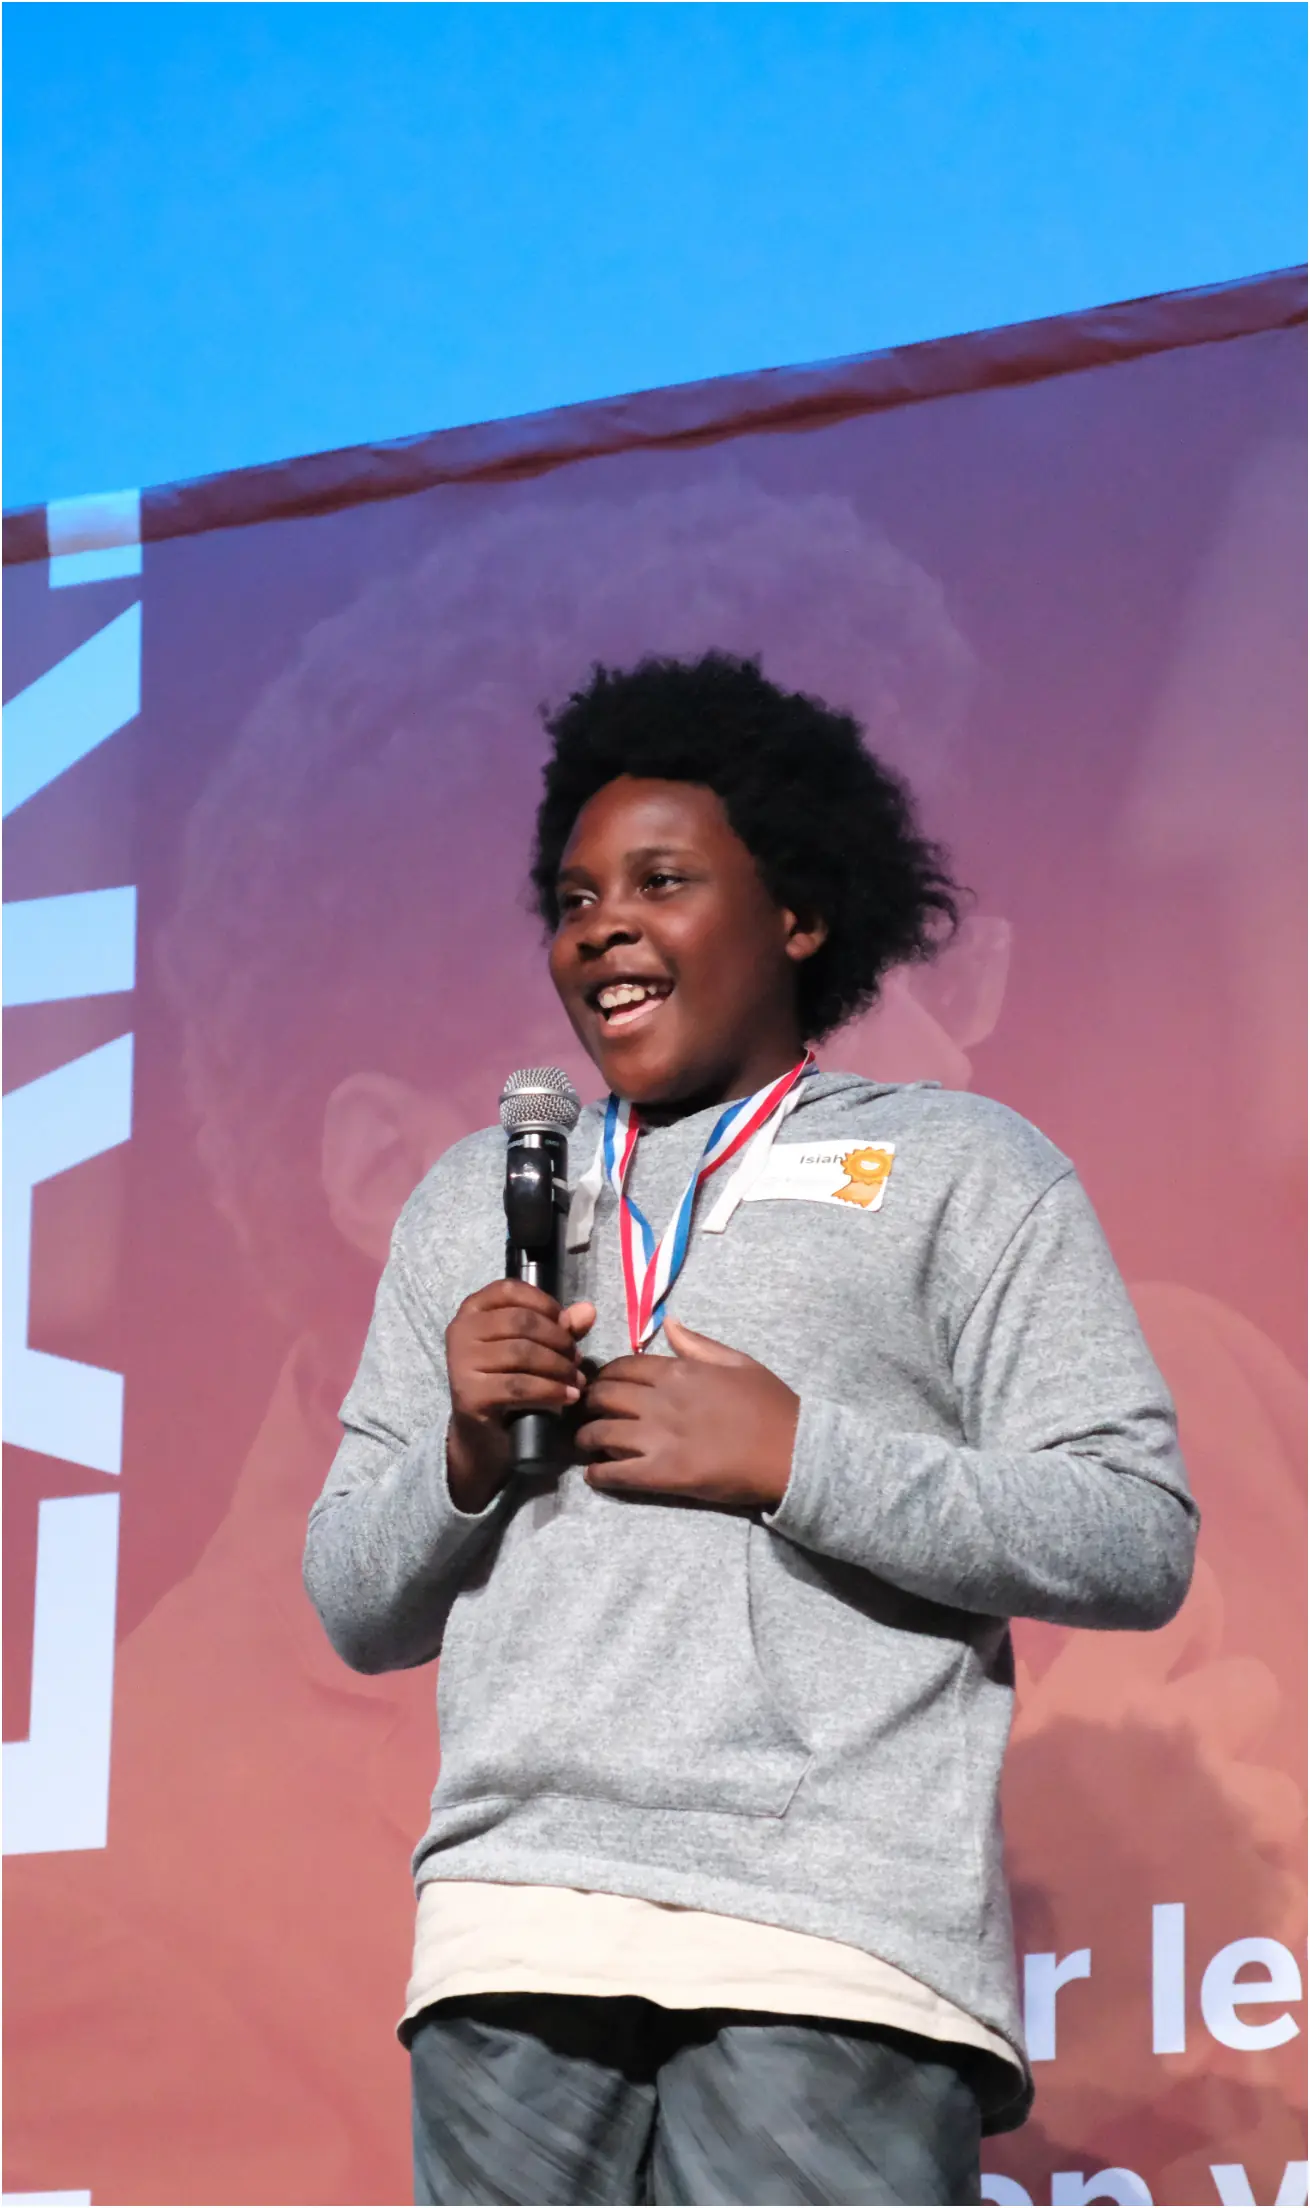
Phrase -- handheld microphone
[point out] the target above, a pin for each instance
(538, 1110)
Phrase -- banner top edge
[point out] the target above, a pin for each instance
(754, 400)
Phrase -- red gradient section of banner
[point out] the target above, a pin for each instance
(1070, 610)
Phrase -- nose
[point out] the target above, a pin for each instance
(605, 924)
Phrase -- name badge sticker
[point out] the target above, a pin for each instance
(826, 1173)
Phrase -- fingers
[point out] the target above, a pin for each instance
(645, 1372)
(634, 1476)
(610, 1398)
(514, 1369)
(534, 1357)
(483, 1394)
(506, 1294)
(505, 1309)
(699, 1348)
(607, 1437)
(507, 1348)
(622, 1392)
(517, 1324)
(513, 1390)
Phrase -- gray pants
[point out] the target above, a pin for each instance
(545, 2098)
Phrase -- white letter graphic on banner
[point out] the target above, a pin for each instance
(1070, 2189)
(1223, 1993)
(76, 705)
(69, 2200)
(52, 1404)
(1043, 1976)
(1168, 1978)
(83, 945)
(1234, 2186)
(57, 1780)
(93, 539)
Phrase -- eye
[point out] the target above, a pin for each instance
(572, 900)
(661, 878)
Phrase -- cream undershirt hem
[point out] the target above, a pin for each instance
(475, 1937)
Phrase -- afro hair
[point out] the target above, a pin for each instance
(832, 831)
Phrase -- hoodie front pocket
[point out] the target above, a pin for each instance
(609, 1655)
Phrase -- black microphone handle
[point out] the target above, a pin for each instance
(531, 1441)
(532, 1434)
(536, 1172)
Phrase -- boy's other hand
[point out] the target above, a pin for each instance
(509, 1347)
(708, 1424)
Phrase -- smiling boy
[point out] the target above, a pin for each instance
(711, 1904)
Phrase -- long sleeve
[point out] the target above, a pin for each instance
(387, 1549)
(1065, 1499)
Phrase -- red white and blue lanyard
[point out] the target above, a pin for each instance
(650, 1267)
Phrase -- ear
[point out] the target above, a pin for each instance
(379, 1138)
(805, 934)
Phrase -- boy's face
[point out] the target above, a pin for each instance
(675, 966)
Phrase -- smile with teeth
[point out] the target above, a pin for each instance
(622, 1003)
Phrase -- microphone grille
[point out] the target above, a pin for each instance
(539, 1099)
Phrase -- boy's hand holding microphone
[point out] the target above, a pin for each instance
(707, 1425)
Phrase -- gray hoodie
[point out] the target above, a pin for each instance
(794, 1717)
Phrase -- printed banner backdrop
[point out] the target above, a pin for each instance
(271, 776)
